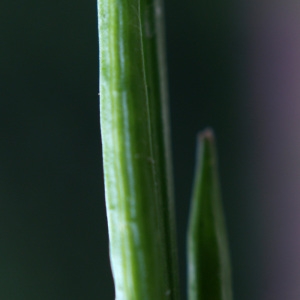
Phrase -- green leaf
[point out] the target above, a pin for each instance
(208, 256)
(136, 151)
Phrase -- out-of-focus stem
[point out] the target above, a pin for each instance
(209, 275)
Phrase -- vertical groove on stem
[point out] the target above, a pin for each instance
(136, 150)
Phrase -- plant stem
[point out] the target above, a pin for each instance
(136, 152)
(208, 257)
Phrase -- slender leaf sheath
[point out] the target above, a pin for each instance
(136, 155)
(208, 258)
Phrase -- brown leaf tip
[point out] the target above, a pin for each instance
(206, 135)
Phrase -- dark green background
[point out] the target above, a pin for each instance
(53, 232)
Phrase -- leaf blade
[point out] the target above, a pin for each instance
(209, 274)
(134, 128)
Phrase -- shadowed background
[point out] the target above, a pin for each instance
(233, 65)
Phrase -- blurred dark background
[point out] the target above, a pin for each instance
(233, 65)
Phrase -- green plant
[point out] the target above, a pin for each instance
(208, 258)
(137, 160)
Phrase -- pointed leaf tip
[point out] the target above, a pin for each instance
(208, 255)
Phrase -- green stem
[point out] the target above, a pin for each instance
(136, 152)
(208, 258)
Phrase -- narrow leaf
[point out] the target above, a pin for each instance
(136, 155)
(208, 258)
